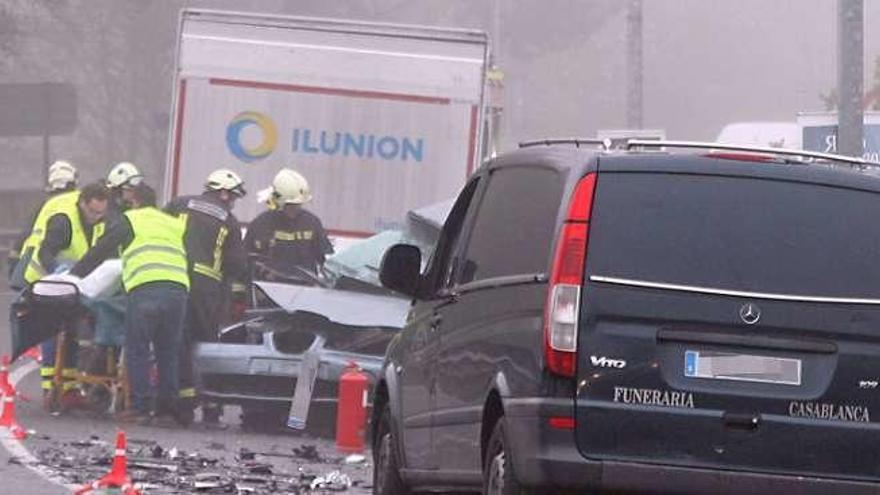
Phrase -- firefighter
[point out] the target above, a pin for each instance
(120, 180)
(61, 234)
(217, 264)
(62, 178)
(155, 279)
(289, 235)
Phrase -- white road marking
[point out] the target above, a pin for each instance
(16, 448)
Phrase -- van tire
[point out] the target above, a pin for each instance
(498, 475)
(386, 466)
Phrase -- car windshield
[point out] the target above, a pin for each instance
(362, 260)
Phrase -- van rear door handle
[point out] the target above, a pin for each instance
(750, 340)
(741, 421)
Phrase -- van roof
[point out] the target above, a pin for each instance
(585, 159)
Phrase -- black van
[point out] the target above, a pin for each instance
(645, 321)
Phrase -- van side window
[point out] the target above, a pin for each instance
(440, 267)
(514, 226)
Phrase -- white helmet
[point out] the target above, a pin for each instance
(61, 175)
(289, 187)
(225, 180)
(124, 174)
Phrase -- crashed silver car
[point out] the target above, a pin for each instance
(345, 317)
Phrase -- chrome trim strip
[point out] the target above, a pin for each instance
(635, 143)
(733, 293)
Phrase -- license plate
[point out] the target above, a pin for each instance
(742, 367)
(274, 367)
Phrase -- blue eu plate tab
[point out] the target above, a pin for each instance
(690, 363)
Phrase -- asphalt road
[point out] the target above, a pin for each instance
(68, 450)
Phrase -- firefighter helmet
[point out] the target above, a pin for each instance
(61, 175)
(225, 180)
(290, 187)
(124, 174)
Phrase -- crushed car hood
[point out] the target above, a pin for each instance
(340, 306)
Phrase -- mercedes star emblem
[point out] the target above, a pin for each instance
(750, 313)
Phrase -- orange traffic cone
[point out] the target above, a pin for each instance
(8, 418)
(118, 475)
(6, 388)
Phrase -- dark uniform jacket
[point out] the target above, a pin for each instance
(211, 230)
(285, 241)
(116, 239)
(58, 235)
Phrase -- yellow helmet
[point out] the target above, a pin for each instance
(61, 175)
(124, 174)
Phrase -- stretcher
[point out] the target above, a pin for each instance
(55, 308)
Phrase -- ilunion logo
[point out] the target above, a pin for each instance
(234, 132)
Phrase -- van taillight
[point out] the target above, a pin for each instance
(566, 278)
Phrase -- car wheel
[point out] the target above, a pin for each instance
(386, 469)
(498, 475)
(322, 420)
(263, 417)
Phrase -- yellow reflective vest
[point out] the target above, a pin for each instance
(65, 204)
(156, 253)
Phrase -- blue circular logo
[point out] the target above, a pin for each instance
(246, 119)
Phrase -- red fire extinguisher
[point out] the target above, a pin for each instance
(351, 409)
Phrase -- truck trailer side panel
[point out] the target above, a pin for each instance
(379, 118)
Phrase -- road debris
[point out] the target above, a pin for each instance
(308, 452)
(246, 455)
(216, 446)
(333, 481)
(93, 441)
(170, 469)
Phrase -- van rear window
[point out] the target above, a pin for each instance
(737, 233)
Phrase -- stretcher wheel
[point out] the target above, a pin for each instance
(53, 401)
(99, 399)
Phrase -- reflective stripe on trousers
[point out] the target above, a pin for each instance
(68, 378)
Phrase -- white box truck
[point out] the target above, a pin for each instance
(379, 118)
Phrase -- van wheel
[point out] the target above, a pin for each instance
(386, 468)
(498, 475)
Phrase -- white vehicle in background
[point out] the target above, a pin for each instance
(819, 131)
(765, 134)
(619, 137)
(379, 118)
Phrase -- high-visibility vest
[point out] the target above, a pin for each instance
(156, 252)
(65, 204)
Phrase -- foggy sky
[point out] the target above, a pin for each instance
(707, 63)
